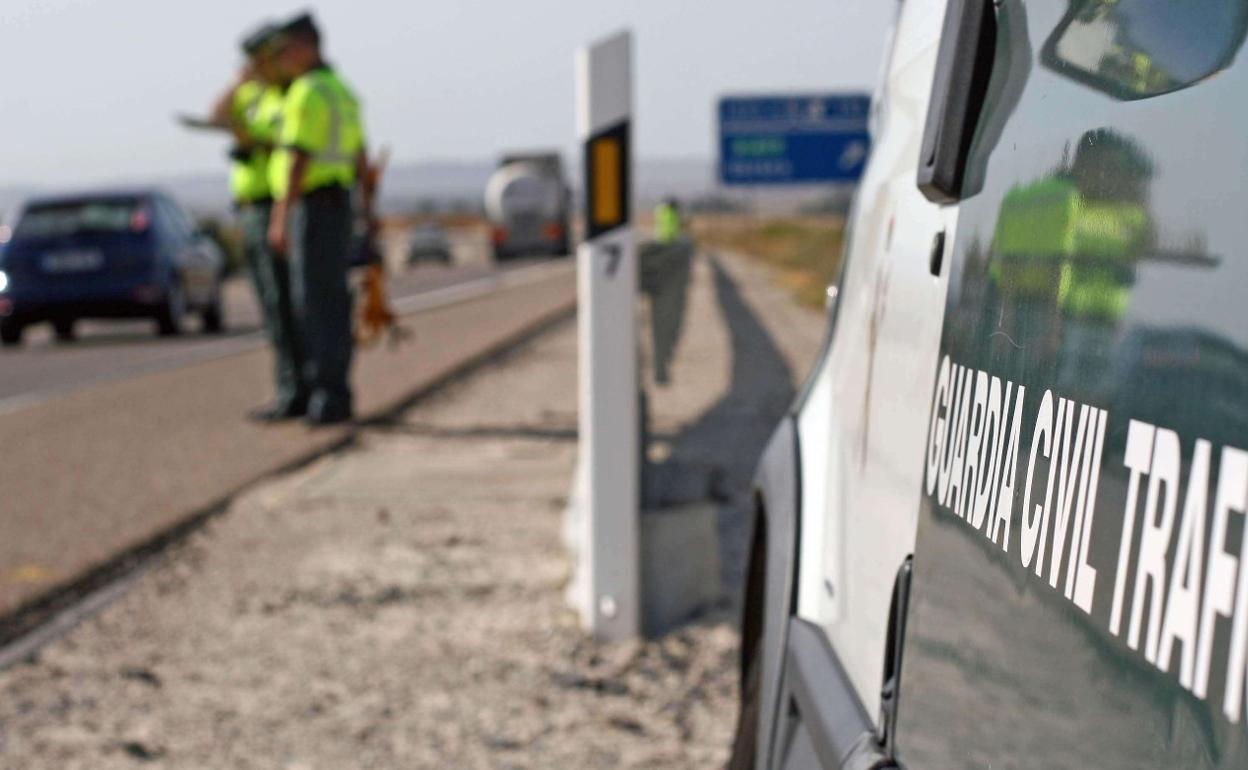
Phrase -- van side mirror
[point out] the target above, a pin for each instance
(1134, 49)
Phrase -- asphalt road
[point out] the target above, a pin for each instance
(111, 350)
(116, 439)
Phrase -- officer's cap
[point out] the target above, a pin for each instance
(260, 38)
(301, 26)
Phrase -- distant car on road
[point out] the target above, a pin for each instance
(107, 254)
(428, 242)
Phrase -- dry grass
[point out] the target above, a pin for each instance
(449, 221)
(805, 250)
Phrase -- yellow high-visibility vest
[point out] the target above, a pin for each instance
(321, 118)
(257, 111)
(666, 223)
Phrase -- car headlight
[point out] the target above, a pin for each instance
(4, 282)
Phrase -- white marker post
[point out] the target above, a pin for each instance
(605, 525)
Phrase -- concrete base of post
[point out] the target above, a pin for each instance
(680, 570)
(680, 574)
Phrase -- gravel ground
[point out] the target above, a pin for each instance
(391, 606)
(383, 608)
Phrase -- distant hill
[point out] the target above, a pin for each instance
(409, 187)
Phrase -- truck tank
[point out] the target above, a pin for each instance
(527, 201)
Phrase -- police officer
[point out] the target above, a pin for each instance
(667, 221)
(665, 266)
(253, 110)
(320, 156)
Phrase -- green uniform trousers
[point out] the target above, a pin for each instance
(319, 239)
(270, 277)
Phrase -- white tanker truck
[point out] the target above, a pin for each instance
(528, 203)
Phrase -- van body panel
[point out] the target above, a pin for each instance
(861, 430)
(1080, 584)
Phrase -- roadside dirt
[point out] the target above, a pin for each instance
(383, 608)
(399, 604)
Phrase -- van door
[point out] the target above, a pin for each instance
(1080, 579)
(861, 428)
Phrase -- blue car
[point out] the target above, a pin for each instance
(112, 254)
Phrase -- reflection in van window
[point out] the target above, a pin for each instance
(1133, 49)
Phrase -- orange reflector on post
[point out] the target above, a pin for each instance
(607, 160)
(607, 175)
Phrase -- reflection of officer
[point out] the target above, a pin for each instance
(1028, 246)
(254, 109)
(1065, 250)
(319, 158)
(1111, 234)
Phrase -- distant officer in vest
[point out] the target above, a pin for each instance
(252, 108)
(667, 221)
(665, 266)
(320, 156)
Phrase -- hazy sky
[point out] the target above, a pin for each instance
(88, 87)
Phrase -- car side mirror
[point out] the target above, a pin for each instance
(1134, 49)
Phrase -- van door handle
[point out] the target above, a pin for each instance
(963, 67)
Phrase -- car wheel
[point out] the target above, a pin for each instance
(213, 316)
(64, 328)
(10, 333)
(169, 318)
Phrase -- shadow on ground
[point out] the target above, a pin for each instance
(716, 455)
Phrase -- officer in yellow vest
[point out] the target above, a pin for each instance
(665, 265)
(319, 159)
(667, 221)
(253, 110)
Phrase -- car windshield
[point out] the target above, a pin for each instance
(114, 215)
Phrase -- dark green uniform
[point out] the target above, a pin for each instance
(257, 110)
(321, 118)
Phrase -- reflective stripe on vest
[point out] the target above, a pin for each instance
(333, 152)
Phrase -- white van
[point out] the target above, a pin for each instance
(856, 433)
(1006, 525)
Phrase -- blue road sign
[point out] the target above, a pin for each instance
(799, 139)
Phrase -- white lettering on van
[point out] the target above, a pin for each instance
(1181, 595)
